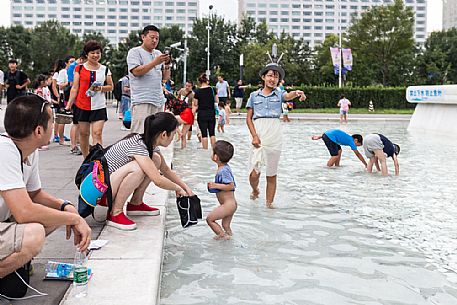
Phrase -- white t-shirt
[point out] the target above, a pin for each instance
(62, 78)
(344, 104)
(12, 176)
(2, 78)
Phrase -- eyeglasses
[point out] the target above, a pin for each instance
(41, 99)
(272, 75)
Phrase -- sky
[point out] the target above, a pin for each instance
(229, 9)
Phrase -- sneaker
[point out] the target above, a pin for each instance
(56, 139)
(66, 139)
(141, 210)
(76, 151)
(120, 222)
(123, 128)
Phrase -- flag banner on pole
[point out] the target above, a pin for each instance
(336, 59)
(347, 59)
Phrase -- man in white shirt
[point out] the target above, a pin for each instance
(28, 213)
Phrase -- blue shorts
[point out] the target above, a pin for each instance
(343, 112)
(332, 147)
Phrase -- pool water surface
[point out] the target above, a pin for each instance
(337, 236)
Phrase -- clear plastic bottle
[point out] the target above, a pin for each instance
(80, 274)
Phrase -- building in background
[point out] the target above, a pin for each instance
(115, 19)
(314, 19)
(449, 14)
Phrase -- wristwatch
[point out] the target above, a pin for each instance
(64, 204)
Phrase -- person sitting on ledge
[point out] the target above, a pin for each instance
(134, 162)
(28, 213)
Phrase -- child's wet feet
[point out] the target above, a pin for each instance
(255, 194)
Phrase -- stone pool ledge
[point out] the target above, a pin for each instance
(336, 117)
(128, 269)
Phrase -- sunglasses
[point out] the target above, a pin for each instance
(44, 102)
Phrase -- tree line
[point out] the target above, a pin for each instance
(381, 39)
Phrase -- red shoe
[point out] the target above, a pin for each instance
(142, 210)
(120, 222)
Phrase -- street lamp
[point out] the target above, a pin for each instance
(208, 72)
(340, 46)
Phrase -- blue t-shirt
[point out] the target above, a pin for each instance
(389, 148)
(224, 176)
(71, 71)
(341, 138)
(266, 106)
(222, 89)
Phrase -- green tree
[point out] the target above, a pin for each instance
(437, 63)
(119, 56)
(224, 55)
(382, 36)
(15, 43)
(323, 65)
(50, 41)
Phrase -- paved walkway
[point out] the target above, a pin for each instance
(135, 259)
(57, 172)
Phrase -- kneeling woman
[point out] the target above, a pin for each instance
(134, 162)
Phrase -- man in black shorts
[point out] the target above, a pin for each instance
(334, 138)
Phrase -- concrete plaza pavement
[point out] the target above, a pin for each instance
(57, 171)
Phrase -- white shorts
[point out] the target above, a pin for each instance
(238, 102)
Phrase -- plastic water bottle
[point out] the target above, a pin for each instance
(80, 274)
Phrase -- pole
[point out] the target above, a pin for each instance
(208, 72)
(184, 80)
(340, 47)
(241, 66)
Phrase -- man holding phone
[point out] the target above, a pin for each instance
(147, 68)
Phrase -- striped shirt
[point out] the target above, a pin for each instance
(123, 152)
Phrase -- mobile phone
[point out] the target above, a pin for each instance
(167, 51)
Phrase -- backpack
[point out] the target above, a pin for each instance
(117, 91)
(92, 179)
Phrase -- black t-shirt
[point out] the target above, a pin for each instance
(205, 97)
(389, 148)
(237, 91)
(13, 79)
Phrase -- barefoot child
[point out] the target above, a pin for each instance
(221, 119)
(224, 187)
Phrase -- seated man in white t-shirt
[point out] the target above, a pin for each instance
(28, 213)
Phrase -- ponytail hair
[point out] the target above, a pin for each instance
(203, 78)
(40, 78)
(154, 125)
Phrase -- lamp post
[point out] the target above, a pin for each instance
(208, 72)
(185, 62)
(340, 46)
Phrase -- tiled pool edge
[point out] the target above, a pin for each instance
(128, 269)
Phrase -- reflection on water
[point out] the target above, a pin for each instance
(338, 236)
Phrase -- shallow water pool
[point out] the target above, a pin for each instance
(337, 236)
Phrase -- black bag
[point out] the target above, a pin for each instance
(117, 91)
(96, 153)
(12, 286)
(189, 209)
